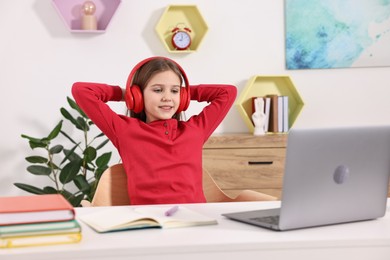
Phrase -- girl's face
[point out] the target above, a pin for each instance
(161, 96)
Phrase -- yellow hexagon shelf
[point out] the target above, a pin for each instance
(259, 86)
(187, 16)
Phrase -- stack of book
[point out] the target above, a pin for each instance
(37, 220)
(276, 113)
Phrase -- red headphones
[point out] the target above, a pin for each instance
(133, 95)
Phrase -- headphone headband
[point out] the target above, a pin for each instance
(143, 62)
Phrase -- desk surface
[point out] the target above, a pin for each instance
(227, 240)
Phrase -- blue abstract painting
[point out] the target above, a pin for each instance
(337, 33)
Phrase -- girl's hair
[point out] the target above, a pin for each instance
(146, 72)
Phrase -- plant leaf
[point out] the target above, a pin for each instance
(76, 200)
(52, 165)
(69, 171)
(68, 116)
(35, 142)
(89, 154)
(67, 136)
(99, 135)
(81, 182)
(74, 105)
(67, 194)
(82, 123)
(102, 144)
(50, 190)
(54, 133)
(36, 159)
(90, 166)
(103, 160)
(34, 145)
(71, 155)
(31, 138)
(72, 198)
(39, 170)
(56, 149)
(29, 188)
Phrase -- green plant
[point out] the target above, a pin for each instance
(75, 172)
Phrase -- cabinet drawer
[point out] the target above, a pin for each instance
(245, 168)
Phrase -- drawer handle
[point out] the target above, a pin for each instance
(257, 162)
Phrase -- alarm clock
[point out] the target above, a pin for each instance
(181, 38)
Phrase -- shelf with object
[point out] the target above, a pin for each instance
(185, 18)
(245, 162)
(260, 86)
(71, 12)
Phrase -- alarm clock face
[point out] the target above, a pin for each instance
(181, 40)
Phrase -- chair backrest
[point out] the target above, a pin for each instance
(112, 188)
(211, 190)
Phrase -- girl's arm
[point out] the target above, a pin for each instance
(220, 97)
(92, 99)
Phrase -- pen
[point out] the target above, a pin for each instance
(171, 211)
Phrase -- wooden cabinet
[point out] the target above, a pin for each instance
(243, 161)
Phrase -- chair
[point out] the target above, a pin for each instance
(112, 190)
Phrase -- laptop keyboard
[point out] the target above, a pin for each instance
(274, 220)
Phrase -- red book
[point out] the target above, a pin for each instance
(274, 114)
(35, 209)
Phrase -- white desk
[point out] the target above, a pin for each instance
(227, 240)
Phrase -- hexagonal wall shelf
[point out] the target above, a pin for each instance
(187, 15)
(259, 86)
(71, 13)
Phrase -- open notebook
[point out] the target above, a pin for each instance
(125, 218)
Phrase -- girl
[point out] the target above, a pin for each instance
(161, 154)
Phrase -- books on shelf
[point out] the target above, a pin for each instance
(280, 114)
(276, 113)
(34, 209)
(37, 220)
(127, 218)
(285, 115)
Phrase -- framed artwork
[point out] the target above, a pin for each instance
(324, 34)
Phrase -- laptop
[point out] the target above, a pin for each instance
(332, 176)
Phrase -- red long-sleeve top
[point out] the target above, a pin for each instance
(162, 159)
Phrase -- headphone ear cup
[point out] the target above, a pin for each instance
(133, 98)
(129, 99)
(184, 100)
(138, 99)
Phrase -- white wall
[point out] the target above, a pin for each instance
(40, 59)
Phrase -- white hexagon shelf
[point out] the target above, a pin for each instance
(71, 13)
(260, 86)
(181, 15)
